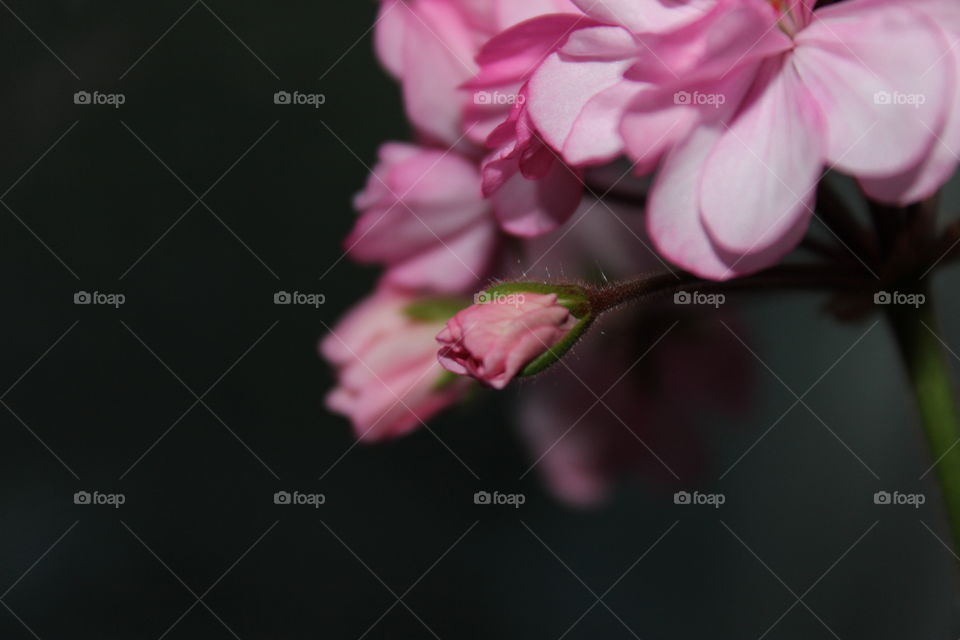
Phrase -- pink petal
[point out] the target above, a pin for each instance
(533, 207)
(926, 178)
(732, 34)
(661, 116)
(857, 59)
(642, 16)
(515, 53)
(674, 222)
(438, 55)
(762, 174)
(455, 265)
(559, 95)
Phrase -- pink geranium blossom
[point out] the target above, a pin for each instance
(389, 381)
(494, 340)
(743, 108)
(423, 215)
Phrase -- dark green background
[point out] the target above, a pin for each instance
(199, 499)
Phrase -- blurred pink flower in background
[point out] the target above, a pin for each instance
(493, 340)
(424, 217)
(608, 416)
(389, 381)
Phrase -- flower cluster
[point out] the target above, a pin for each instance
(717, 119)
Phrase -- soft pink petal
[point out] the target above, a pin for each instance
(646, 15)
(514, 54)
(533, 207)
(856, 59)
(456, 264)
(733, 33)
(661, 116)
(674, 222)
(576, 104)
(759, 179)
(438, 52)
(926, 178)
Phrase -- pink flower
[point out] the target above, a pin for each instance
(389, 381)
(737, 194)
(424, 216)
(744, 105)
(494, 340)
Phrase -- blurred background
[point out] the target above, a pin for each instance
(197, 399)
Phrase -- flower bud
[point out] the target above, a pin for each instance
(514, 329)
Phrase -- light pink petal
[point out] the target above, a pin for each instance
(878, 73)
(642, 16)
(385, 359)
(759, 179)
(389, 35)
(926, 178)
(732, 34)
(533, 207)
(455, 265)
(511, 12)
(438, 59)
(661, 116)
(559, 93)
(674, 222)
(514, 54)
(377, 315)
(415, 199)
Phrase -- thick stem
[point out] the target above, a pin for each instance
(929, 374)
(783, 277)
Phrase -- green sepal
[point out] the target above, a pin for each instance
(446, 380)
(551, 357)
(437, 309)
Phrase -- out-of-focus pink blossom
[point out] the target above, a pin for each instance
(389, 381)
(494, 340)
(424, 216)
(646, 424)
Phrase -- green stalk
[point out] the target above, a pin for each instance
(930, 377)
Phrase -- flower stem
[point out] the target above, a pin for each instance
(784, 277)
(929, 374)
